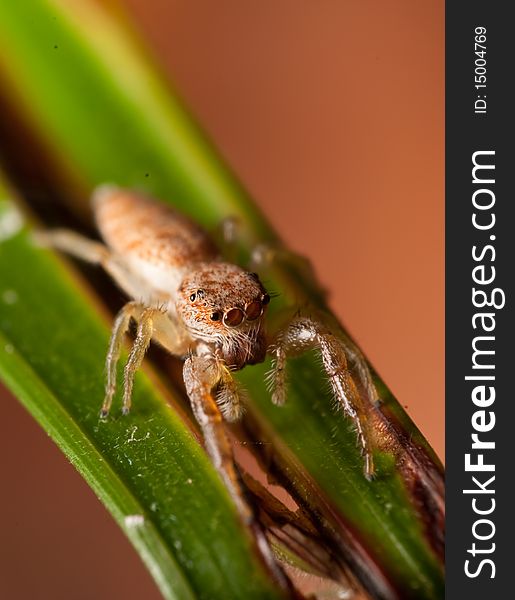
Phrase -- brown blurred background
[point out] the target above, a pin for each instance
(332, 114)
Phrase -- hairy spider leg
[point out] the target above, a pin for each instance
(305, 333)
(92, 252)
(201, 376)
(154, 324)
(229, 395)
(74, 244)
(227, 236)
(137, 353)
(132, 310)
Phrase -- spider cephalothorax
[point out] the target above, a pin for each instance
(224, 306)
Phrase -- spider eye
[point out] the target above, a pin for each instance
(253, 310)
(265, 299)
(233, 317)
(215, 316)
(198, 294)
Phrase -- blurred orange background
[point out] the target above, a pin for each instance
(332, 114)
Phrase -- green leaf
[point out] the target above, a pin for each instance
(147, 468)
(107, 117)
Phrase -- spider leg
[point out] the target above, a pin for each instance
(229, 396)
(227, 236)
(137, 353)
(153, 324)
(356, 357)
(266, 256)
(93, 252)
(201, 376)
(74, 244)
(120, 327)
(303, 334)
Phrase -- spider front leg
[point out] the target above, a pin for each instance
(303, 334)
(153, 324)
(132, 310)
(144, 317)
(202, 375)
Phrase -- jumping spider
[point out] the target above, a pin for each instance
(209, 312)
